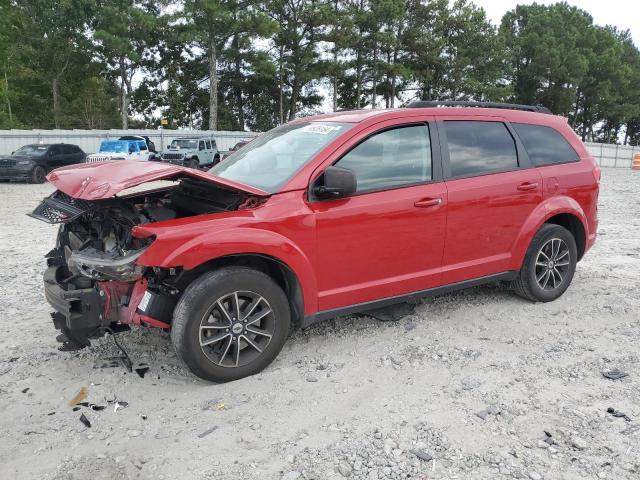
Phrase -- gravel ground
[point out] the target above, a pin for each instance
(477, 384)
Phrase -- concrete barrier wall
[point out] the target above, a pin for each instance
(89, 140)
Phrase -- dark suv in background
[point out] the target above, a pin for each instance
(33, 162)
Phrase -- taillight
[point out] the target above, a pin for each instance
(597, 173)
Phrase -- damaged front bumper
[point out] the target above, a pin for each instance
(86, 309)
(79, 312)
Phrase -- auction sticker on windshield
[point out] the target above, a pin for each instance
(321, 129)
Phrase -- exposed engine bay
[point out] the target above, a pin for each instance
(93, 281)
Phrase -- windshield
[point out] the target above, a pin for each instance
(114, 146)
(32, 150)
(274, 157)
(184, 143)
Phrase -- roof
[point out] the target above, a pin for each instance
(378, 115)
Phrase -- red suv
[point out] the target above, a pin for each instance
(322, 217)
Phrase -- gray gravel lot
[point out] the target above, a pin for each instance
(465, 387)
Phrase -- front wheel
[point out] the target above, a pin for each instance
(38, 175)
(193, 163)
(230, 323)
(548, 266)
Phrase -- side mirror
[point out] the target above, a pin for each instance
(168, 147)
(336, 182)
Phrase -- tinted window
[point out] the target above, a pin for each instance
(544, 145)
(201, 145)
(69, 149)
(213, 143)
(55, 150)
(401, 156)
(208, 145)
(480, 147)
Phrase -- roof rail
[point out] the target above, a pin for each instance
(451, 103)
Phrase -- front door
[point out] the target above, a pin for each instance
(387, 239)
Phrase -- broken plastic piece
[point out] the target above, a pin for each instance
(85, 420)
(618, 414)
(119, 405)
(25, 390)
(207, 432)
(141, 371)
(614, 374)
(80, 396)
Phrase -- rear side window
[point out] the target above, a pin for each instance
(208, 145)
(477, 147)
(201, 145)
(544, 145)
(392, 158)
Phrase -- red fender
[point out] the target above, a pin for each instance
(543, 212)
(189, 254)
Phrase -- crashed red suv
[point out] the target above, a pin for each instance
(322, 217)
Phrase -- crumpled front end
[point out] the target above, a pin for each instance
(93, 279)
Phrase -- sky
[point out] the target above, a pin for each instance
(624, 14)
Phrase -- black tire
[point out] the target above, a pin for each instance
(193, 163)
(530, 283)
(199, 304)
(216, 160)
(38, 175)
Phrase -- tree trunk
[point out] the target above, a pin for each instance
(335, 78)
(6, 91)
(358, 78)
(238, 88)
(374, 98)
(281, 86)
(55, 93)
(124, 98)
(213, 83)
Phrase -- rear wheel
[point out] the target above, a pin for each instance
(230, 323)
(549, 265)
(38, 175)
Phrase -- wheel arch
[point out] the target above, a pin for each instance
(279, 271)
(561, 210)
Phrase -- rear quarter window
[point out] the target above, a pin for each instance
(545, 145)
(479, 147)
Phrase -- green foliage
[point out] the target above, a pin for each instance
(253, 64)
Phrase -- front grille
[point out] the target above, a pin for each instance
(96, 158)
(172, 156)
(7, 163)
(60, 208)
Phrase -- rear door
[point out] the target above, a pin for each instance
(387, 239)
(56, 157)
(492, 189)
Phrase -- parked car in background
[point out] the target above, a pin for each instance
(319, 218)
(144, 142)
(235, 148)
(132, 149)
(33, 162)
(193, 152)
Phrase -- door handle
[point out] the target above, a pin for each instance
(428, 202)
(527, 186)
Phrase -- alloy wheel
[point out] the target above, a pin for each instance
(552, 264)
(236, 329)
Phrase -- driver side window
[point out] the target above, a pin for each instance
(390, 159)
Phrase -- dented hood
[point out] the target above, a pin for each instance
(100, 180)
